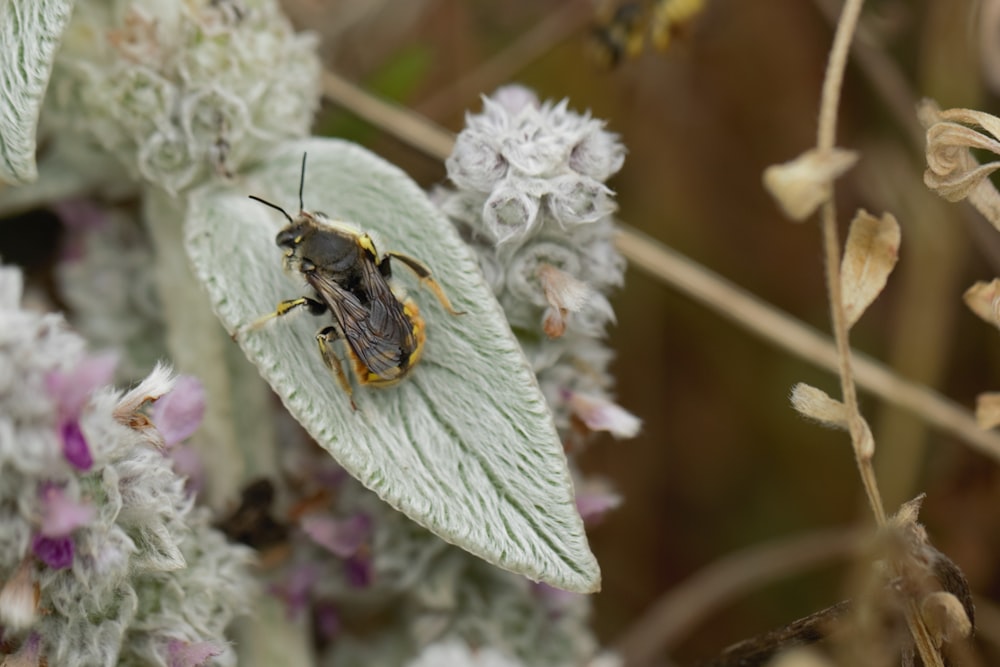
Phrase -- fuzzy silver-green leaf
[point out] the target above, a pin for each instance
(29, 36)
(465, 444)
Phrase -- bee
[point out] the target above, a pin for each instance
(382, 329)
(623, 30)
(619, 35)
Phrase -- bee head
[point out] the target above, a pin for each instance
(290, 236)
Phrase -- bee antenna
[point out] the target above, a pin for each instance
(302, 181)
(274, 206)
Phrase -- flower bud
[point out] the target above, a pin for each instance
(476, 163)
(577, 200)
(510, 214)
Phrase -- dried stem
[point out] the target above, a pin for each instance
(826, 137)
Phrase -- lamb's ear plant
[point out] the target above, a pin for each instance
(103, 556)
(158, 121)
(29, 36)
(465, 444)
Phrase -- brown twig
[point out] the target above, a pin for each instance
(793, 336)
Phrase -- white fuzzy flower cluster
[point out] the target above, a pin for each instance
(380, 589)
(102, 559)
(534, 165)
(180, 91)
(531, 201)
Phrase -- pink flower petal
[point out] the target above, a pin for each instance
(178, 413)
(60, 515)
(594, 501)
(341, 537)
(187, 463)
(295, 589)
(70, 390)
(556, 600)
(600, 414)
(193, 654)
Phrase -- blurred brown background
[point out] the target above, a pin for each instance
(723, 461)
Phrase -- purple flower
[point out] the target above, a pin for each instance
(594, 499)
(295, 589)
(178, 413)
(358, 570)
(70, 392)
(56, 552)
(341, 537)
(191, 654)
(60, 515)
(75, 447)
(187, 464)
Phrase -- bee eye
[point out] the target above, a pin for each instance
(287, 238)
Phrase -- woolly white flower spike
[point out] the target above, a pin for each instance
(29, 35)
(464, 444)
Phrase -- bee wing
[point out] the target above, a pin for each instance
(378, 333)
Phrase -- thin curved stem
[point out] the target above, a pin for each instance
(825, 140)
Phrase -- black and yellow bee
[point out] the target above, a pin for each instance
(381, 327)
(624, 28)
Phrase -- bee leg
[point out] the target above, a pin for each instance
(424, 274)
(324, 338)
(315, 307)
